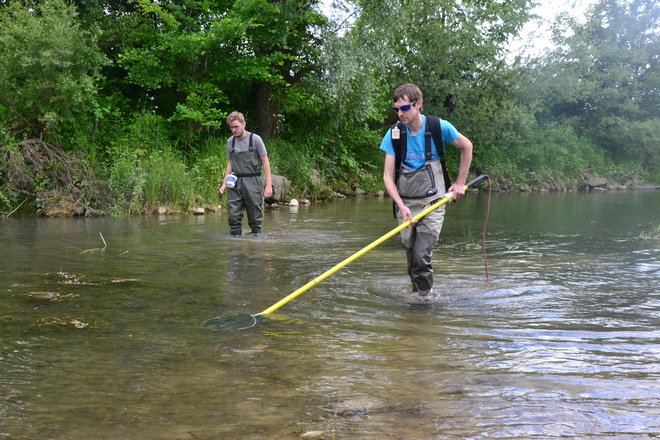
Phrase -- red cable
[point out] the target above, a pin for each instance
(483, 233)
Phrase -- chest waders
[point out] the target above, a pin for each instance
(418, 190)
(248, 192)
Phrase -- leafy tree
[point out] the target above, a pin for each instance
(446, 47)
(49, 70)
(452, 50)
(204, 59)
(283, 44)
(604, 79)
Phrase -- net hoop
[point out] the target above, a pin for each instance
(231, 323)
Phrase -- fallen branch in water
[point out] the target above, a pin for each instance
(101, 250)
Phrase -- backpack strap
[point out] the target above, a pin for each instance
(400, 145)
(433, 125)
(428, 152)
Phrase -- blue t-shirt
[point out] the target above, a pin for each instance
(415, 149)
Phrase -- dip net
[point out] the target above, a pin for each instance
(231, 323)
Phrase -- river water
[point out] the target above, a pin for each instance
(562, 341)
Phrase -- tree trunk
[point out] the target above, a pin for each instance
(266, 112)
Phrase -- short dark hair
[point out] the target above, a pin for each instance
(408, 90)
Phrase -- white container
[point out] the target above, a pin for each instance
(231, 180)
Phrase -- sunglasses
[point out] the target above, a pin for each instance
(404, 108)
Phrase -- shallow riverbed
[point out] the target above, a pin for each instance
(562, 341)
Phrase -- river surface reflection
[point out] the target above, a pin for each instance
(563, 341)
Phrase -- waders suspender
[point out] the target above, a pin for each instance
(433, 131)
(250, 148)
(233, 144)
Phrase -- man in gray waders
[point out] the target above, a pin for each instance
(246, 156)
(415, 177)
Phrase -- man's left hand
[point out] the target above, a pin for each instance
(458, 190)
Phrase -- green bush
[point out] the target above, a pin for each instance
(127, 181)
(49, 69)
(295, 161)
(142, 180)
(631, 172)
(168, 181)
(208, 169)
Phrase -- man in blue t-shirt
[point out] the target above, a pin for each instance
(420, 184)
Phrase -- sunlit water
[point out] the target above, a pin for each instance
(563, 340)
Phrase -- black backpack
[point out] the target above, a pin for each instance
(432, 131)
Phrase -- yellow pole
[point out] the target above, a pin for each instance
(356, 255)
(447, 198)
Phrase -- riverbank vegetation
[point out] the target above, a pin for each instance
(118, 107)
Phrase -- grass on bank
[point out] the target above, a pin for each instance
(142, 168)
